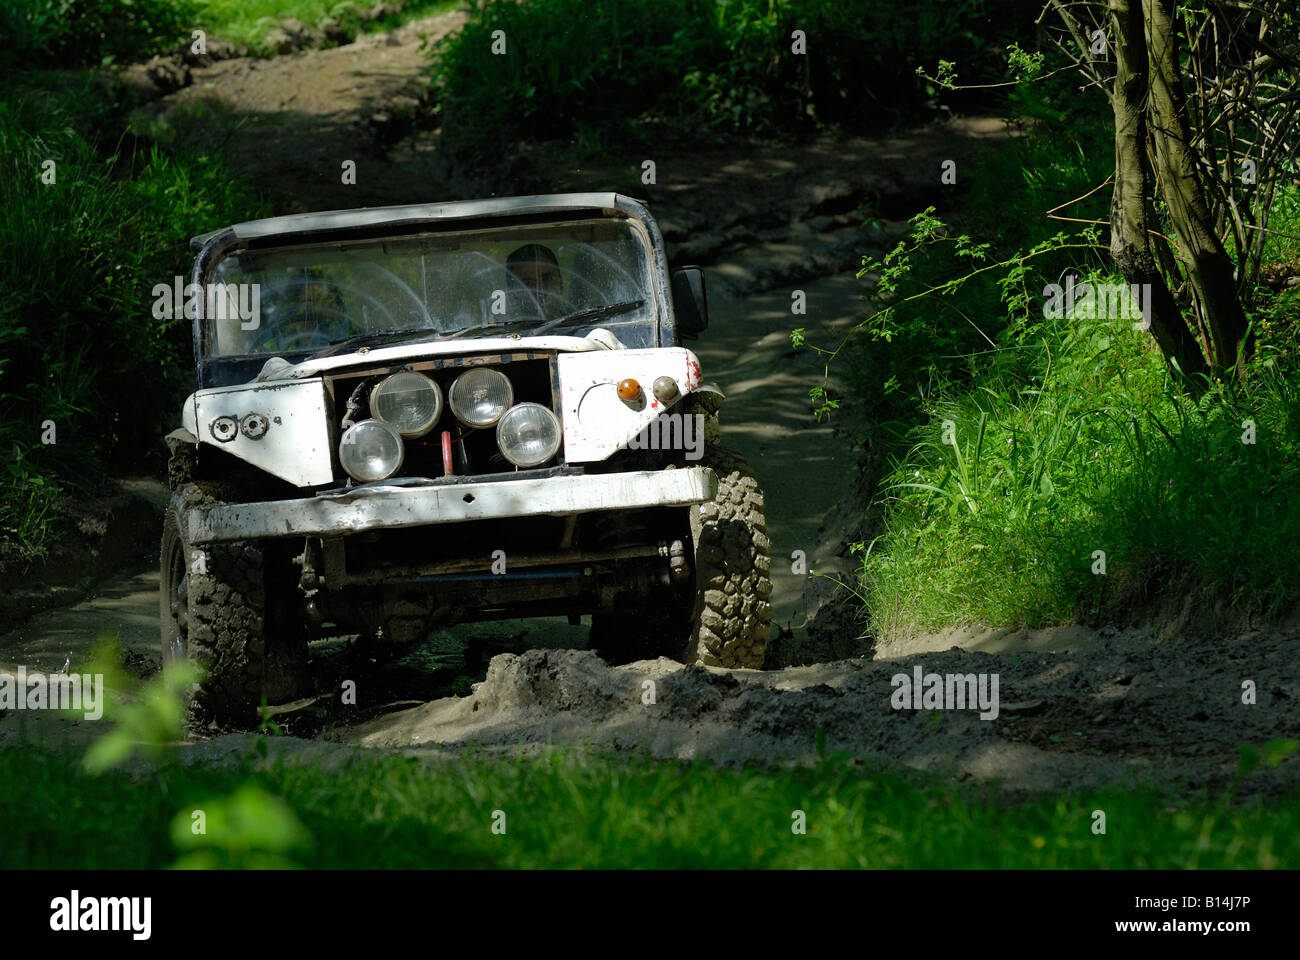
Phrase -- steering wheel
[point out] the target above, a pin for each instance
(329, 324)
(421, 307)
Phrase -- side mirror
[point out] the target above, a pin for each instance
(690, 304)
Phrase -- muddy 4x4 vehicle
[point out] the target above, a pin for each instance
(414, 416)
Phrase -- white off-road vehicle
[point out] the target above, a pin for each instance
(413, 416)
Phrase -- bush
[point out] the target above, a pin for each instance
(1082, 444)
(79, 258)
(593, 69)
(1017, 449)
(73, 33)
(1057, 473)
(937, 343)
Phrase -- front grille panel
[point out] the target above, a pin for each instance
(474, 451)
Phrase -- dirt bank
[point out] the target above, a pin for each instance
(98, 533)
(1120, 710)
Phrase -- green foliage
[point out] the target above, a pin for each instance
(146, 717)
(74, 33)
(27, 508)
(248, 830)
(1064, 438)
(250, 21)
(79, 258)
(80, 33)
(608, 63)
(946, 294)
(574, 810)
(1284, 221)
(1019, 446)
(1076, 441)
(728, 64)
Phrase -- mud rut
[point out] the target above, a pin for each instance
(1077, 707)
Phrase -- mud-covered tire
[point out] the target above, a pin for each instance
(732, 614)
(725, 616)
(233, 614)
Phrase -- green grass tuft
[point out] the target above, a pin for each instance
(1080, 446)
(574, 810)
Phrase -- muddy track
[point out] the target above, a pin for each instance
(1123, 710)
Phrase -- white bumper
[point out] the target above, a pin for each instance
(381, 506)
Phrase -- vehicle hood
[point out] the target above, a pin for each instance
(278, 368)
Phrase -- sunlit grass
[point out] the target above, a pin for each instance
(249, 21)
(573, 810)
(1069, 482)
(1075, 482)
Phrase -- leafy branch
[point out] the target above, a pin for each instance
(929, 234)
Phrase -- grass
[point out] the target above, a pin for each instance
(1054, 474)
(1038, 471)
(576, 810)
(80, 253)
(1074, 475)
(249, 21)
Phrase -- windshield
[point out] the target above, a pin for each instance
(566, 279)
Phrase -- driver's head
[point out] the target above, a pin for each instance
(535, 278)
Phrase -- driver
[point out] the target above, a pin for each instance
(536, 283)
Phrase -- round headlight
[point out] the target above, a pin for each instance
(370, 450)
(480, 396)
(528, 434)
(408, 402)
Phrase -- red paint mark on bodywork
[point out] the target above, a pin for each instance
(692, 373)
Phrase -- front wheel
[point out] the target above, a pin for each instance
(724, 618)
(732, 614)
(230, 608)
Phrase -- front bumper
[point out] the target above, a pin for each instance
(386, 507)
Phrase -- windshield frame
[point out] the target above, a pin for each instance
(216, 370)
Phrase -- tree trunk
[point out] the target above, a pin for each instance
(1208, 266)
(1130, 244)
